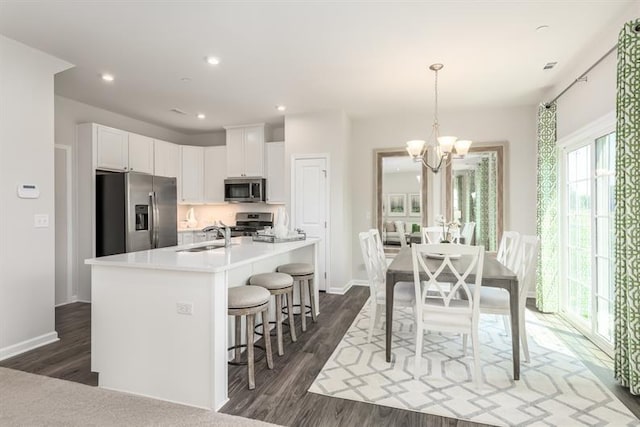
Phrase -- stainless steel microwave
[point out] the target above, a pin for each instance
(245, 190)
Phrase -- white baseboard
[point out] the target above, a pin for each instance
(339, 291)
(355, 282)
(30, 344)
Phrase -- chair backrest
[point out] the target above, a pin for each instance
(508, 249)
(375, 234)
(370, 257)
(467, 232)
(526, 264)
(431, 234)
(475, 255)
(401, 234)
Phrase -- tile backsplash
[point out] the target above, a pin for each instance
(208, 214)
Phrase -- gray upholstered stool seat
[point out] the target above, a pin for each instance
(247, 296)
(249, 301)
(278, 285)
(272, 280)
(296, 269)
(302, 272)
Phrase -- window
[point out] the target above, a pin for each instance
(587, 203)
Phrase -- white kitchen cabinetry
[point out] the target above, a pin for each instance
(215, 171)
(140, 153)
(166, 159)
(275, 172)
(112, 148)
(245, 150)
(185, 237)
(192, 174)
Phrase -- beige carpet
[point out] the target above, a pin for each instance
(35, 400)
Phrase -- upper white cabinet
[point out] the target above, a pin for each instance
(112, 148)
(215, 171)
(192, 174)
(140, 153)
(166, 159)
(275, 172)
(245, 150)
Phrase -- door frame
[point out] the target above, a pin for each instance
(68, 152)
(327, 247)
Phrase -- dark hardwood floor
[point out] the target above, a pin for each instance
(281, 395)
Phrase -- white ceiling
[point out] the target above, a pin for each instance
(363, 57)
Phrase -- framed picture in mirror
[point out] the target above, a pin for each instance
(415, 204)
(397, 204)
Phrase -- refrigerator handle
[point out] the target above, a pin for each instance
(155, 213)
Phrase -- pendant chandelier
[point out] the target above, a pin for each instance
(442, 146)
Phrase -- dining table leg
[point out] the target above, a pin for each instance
(390, 284)
(514, 305)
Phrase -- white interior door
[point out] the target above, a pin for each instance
(310, 206)
(63, 292)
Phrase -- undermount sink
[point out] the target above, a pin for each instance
(202, 248)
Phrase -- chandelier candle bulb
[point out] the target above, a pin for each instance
(414, 147)
(446, 143)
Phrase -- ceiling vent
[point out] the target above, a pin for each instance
(178, 111)
(549, 65)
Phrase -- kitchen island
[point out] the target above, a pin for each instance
(159, 324)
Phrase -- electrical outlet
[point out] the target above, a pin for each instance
(184, 308)
(41, 220)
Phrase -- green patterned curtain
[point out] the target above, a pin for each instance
(547, 289)
(482, 203)
(492, 209)
(627, 217)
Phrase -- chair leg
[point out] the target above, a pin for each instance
(303, 307)
(416, 367)
(505, 322)
(372, 318)
(291, 317)
(238, 321)
(476, 356)
(379, 312)
(279, 324)
(250, 367)
(523, 337)
(464, 344)
(267, 337)
(312, 297)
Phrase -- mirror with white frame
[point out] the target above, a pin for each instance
(474, 193)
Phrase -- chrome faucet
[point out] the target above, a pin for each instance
(222, 231)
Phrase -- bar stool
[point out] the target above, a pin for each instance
(278, 284)
(248, 301)
(302, 272)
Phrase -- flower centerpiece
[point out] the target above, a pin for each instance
(447, 228)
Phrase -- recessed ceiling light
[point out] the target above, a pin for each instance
(281, 107)
(107, 77)
(549, 65)
(542, 28)
(212, 60)
(201, 116)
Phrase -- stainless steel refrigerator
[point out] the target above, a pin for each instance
(134, 212)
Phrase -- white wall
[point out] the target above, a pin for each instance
(27, 254)
(517, 126)
(327, 132)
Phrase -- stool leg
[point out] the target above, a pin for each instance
(312, 297)
(279, 324)
(238, 339)
(303, 307)
(267, 337)
(250, 367)
(292, 322)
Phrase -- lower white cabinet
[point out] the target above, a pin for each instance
(275, 172)
(199, 236)
(215, 171)
(185, 237)
(192, 174)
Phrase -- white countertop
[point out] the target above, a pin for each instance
(242, 251)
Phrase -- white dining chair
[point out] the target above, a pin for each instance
(496, 301)
(508, 249)
(404, 295)
(380, 249)
(466, 234)
(442, 311)
(431, 234)
(402, 235)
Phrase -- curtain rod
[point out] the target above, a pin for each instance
(582, 76)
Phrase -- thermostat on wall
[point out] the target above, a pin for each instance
(28, 191)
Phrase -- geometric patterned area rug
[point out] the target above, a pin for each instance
(555, 388)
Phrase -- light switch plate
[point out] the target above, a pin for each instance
(41, 220)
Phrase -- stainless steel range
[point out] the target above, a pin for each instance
(248, 223)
